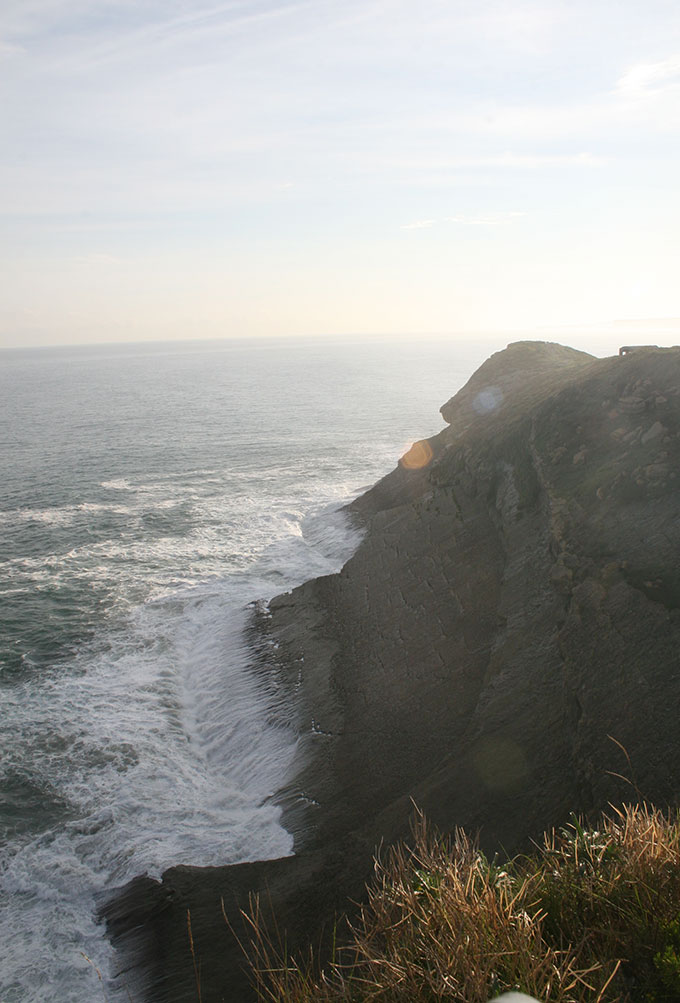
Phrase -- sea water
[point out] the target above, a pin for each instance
(148, 495)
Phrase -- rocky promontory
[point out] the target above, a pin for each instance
(508, 626)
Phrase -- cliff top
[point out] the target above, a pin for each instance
(521, 373)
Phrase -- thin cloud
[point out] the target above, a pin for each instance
(493, 219)
(488, 219)
(10, 49)
(647, 79)
(419, 224)
(512, 161)
(536, 161)
(98, 260)
(208, 23)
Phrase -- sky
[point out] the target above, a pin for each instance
(183, 168)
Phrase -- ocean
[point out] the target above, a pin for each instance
(149, 494)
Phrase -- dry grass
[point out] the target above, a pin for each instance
(593, 916)
(614, 893)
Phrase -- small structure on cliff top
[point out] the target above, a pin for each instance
(626, 349)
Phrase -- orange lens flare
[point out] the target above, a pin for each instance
(500, 764)
(418, 456)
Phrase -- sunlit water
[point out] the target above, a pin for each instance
(148, 494)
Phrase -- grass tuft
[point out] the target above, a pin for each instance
(591, 916)
(197, 966)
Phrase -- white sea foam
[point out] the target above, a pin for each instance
(160, 746)
(51, 516)
(117, 484)
(151, 744)
(64, 515)
(161, 750)
(97, 507)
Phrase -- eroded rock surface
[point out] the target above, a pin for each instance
(513, 607)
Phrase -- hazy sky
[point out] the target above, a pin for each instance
(179, 168)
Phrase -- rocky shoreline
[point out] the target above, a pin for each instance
(513, 607)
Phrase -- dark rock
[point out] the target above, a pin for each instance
(149, 922)
(633, 405)
(514, 603)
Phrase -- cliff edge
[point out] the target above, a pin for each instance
(513, 607)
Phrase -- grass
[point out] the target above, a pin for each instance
(591, 916)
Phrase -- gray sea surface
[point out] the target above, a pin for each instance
(148, 494)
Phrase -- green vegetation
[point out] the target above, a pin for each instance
(592, 915)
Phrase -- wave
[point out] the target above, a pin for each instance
(157, 746)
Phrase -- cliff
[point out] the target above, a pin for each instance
(515, 601)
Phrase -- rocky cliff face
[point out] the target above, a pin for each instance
(514, 602)
(513, 607)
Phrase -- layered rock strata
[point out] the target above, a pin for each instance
(509, 624)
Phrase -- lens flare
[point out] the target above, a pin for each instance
(500, 764)
(488, 400)
(418, 456)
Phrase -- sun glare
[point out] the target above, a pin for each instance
(418, 456)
